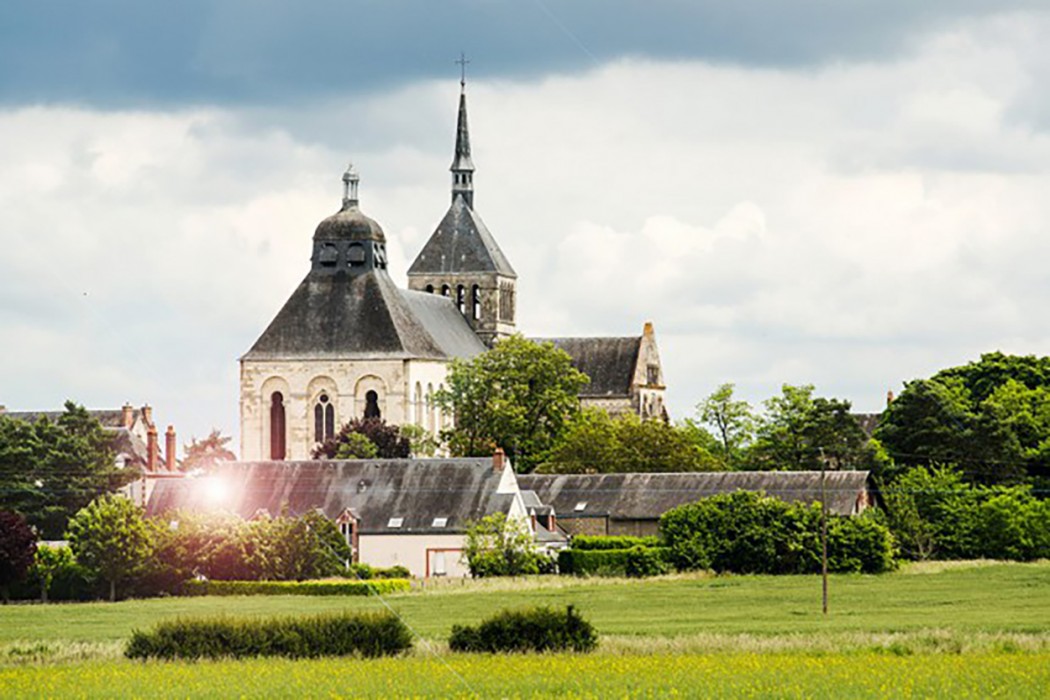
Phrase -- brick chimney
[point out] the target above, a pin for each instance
(498, 458)
(127, 416)
(889, 397)
(151, 448)
(648, 329)
(147, 415)
(169, 449)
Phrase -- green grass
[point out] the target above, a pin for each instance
(864, 675)
(988, 598)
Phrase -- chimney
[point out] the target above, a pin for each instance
(889, 397)
(127, 416)
(147, 415)
(498, 458)
(648, 329)
(169, 449)
(151, 449)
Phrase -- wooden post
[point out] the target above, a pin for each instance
(824, 530)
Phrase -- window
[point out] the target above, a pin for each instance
(652, 375)
(395, 522)
(324, 419)
(461, 299)
(446, 291)
(355, 255)
(580, 506)
(419, 404)
(430, 289)
(440, 567)
(372, 404)
(328, 255)
(475, 301)
(277, 426)
(439, 522)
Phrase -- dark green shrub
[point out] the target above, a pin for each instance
(614, 562)
(226, 588)
(336, 634)
(613, 542)
(530, 629)
(366, 572)
(861, 545)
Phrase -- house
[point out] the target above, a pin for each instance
(631, 504)
(407, 512)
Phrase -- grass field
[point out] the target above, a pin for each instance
(961, 630)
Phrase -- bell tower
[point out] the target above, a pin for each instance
(462, 260)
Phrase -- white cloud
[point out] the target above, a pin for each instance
(852, 227)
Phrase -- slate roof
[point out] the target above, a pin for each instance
(648, 496)
(366, 316)
(417, 490)
(109, 418)
(461, 244)
(609, 362)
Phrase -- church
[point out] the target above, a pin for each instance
(349, 343)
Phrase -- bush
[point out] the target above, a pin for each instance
(226, 588)
(336, 634)
(500, 546)
(750, 533)
(56, 575)
(531, 629)
(613, 542)
(366, 572)
(637, 561)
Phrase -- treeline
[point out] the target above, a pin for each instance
(114, 551)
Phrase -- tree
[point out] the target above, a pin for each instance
(733, 422)
(110, 537)
(519, 395)
(50, 470)
(500, 546)
(388, 441)
(17, 550)
(594, 442)
(798, 431)
(207, 453)
(421, 441)
(991, 418)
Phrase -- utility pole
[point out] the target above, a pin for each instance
(824, 529)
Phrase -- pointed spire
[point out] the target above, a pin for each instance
(462, 166)
(350, 180)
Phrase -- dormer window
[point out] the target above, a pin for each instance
(652, 375)
(355, 255)
(328, 255)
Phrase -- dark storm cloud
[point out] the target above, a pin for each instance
(130, 53)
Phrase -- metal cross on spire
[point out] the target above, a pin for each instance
(462, 62)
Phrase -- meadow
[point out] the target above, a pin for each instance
(973, 629)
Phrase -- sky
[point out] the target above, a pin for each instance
(848, 194)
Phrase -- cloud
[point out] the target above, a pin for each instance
(121, 53)
(853, 226)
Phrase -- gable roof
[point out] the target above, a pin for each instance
(648, 496)
(366, 316)
(416, 490)
(461, 243)
(609, 362)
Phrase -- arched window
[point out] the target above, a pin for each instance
(324, 419)
(419, 404)
(446, 291)
(328, 255)
(355, 255)
(461, 299)
(277, 426)
(371, 404)
(475, 301)
(430, 289)
(430, 407)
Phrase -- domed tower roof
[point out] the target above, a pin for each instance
(349, 223)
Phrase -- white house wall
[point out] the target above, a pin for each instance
(414, 552)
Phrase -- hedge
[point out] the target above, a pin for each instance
(530, 629)
(636, 561)
(221, 588)
(333, 634)
(613, 541)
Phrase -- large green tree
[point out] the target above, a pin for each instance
(990, 418)
(51, 469)
(519, 395)
(17, 550)
(593, 442)
(110, 537)
(800, 431)
(207, 453)
(732, 421)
